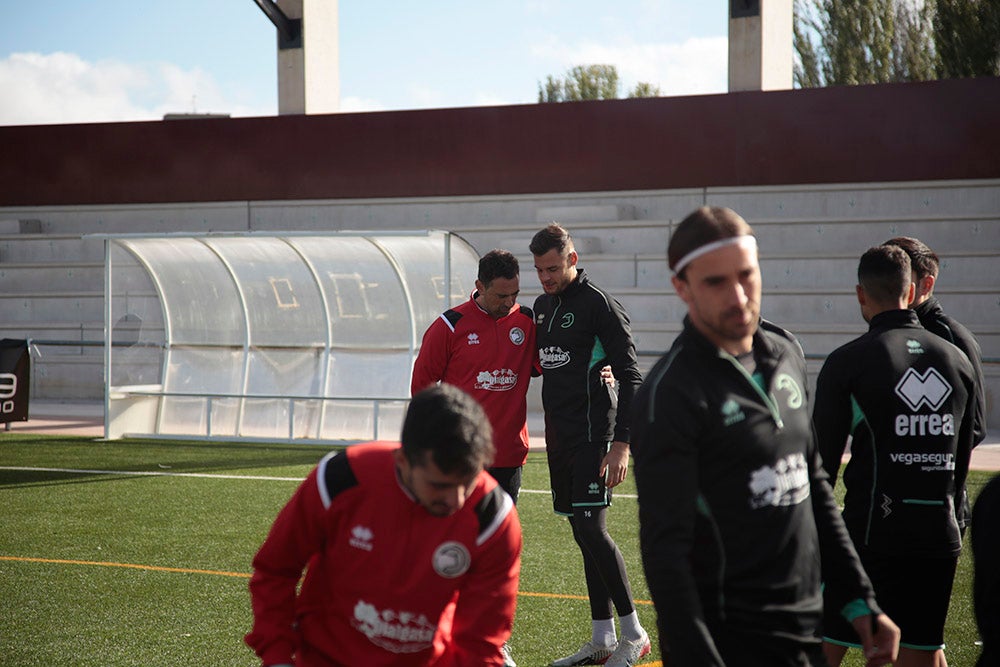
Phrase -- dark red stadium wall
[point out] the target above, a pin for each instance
(940, 130)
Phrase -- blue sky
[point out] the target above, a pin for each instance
(64, 61)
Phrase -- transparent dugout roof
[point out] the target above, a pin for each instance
(272, 337)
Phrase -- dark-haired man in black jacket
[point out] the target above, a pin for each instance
(924, 265)
(907, 399)
(580, 328)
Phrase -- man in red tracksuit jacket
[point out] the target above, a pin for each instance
(486, 346)
(411, 554)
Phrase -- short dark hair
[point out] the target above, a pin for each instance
(884, 273)
(451, 426)
(497, 264)
(554, 236)
(923, 260)
(703, 226)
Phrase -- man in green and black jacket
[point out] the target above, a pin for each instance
(580, 329)
(734, 506)
(907, 398)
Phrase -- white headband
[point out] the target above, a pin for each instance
(747, 241)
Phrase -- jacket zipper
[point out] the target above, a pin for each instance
(772, 408)
(558, 304)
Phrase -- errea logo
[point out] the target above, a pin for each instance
(914, 347)
(928, 389)
(361, 538)
(473, 339)
(594, 489)
(919, 389)
(731, 413)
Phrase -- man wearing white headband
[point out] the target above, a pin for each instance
(734, 506)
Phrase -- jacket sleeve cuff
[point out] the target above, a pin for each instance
(854, 609)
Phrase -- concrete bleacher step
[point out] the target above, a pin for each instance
(72, 307)
(847, 237)
(51, 277)
(975, 270)
(20, 226)
(573, 214)
(63, 377)
(976, 309)
(200, 217)
(70, 248)
(81, 331)
(958, 234)
(612, 237)
(921, 200)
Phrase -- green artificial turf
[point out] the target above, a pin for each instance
(121, 569)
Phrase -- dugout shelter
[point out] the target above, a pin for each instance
(284, 337)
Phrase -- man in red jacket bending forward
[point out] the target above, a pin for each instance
(412, 553)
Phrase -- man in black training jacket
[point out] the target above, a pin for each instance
(907, 399)
(734, 506)
(580, 328)
(924, 265)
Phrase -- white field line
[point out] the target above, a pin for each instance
(152, 473)
(204, 475)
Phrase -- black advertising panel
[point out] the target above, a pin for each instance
(15, 371)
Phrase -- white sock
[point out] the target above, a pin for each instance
(630, 626)
(604, 632)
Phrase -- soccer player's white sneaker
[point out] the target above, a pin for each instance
(629, 651)
(589, 654)
(508, 661)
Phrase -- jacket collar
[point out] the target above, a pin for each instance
(930, 307)
(479, 309)
(577, 284)
(892, 319)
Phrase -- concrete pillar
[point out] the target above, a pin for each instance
(760, 45)
(309, 69)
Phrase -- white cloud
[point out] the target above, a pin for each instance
(357, 104)
(61, 87)
(696, 66)
(64, 88)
